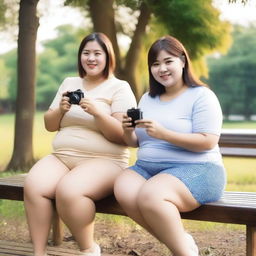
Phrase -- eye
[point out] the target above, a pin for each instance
(155, 64)
(85, 52)
(168, 62)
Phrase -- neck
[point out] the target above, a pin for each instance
(91, 82)
(173, 92)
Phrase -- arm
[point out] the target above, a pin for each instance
(129, 135)
(52, 118)
(109, 125)
(195, 142)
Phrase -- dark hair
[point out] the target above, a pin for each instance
(106, 45)
(175, 48)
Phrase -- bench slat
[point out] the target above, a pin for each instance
(13, 248)
(8, 248)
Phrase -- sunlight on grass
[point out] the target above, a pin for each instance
(241, 173)
(41, 138)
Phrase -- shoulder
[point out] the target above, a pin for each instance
(146, 98)
(116, 82)
(201, 92)
(72, 79)
(203, 97)
(71, 83)
(117, 86)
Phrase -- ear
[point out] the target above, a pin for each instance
(183, 59)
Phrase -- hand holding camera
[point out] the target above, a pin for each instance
(69, 98)
(134, 114)
(75, 96)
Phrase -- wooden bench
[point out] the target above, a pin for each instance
(8, 248)
(234, 207)
(235, 142)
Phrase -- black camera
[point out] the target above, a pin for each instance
(135, 114)
(75, 96)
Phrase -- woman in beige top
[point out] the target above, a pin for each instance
(88, 149)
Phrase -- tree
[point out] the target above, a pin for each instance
(233, 76)
(22, 156)
(195, 23)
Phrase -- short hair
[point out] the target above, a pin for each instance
(106, 45)
(174, 47)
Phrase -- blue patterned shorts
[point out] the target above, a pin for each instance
(206, 181)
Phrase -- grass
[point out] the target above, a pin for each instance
(241, 172)
(41, 138)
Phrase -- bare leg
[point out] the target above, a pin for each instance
(161, 200)
(39, 189)
(90, 181)
(127, 187)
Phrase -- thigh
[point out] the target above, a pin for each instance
(44, 176)
(127, 186)
(92, 178)
(206, 181)
(169, 188)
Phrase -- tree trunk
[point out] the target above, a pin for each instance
(104, 21)
(131, 60)
(103, 18)
(22, 157)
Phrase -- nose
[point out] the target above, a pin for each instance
(91, 57)
(162, 68)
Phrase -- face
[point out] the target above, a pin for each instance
(168, 69)
(93, 59)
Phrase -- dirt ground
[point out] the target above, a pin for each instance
(126, 238)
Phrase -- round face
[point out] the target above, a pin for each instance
(93, 59)
(167, 70)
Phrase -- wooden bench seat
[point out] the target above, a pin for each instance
(233, 207)
(8, 248)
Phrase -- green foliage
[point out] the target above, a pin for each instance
(57, 61)
(9, 17)
(233, 76)
(3, 8)
(196, 24)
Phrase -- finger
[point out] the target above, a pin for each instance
(65, 93)
(126, 119)
(65, 98)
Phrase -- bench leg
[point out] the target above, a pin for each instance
(250, 240)
(57, 229)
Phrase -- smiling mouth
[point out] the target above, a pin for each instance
(165, 76)
(90, 65)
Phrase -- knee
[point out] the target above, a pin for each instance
(120, 190)
(124, 193)
(65, 193)
(33, 187)
(147, 199)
